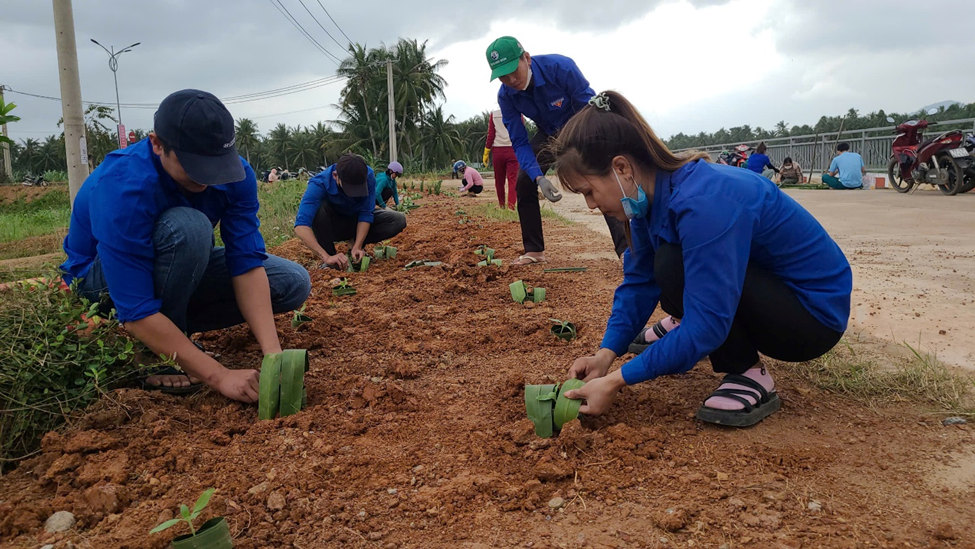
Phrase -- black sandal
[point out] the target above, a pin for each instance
(167, 389)
(767, 403)
(641, 344)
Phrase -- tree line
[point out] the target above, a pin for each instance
(850, 121)
(427, 138)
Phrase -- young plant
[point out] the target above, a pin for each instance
(185, 514)
(299, 317)
(563, 329)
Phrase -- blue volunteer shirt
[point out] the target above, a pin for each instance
(115, 214)
(724, 218)
(383, 182)
(323, 187)
(560, 90)
(758, 162)
(849, 165)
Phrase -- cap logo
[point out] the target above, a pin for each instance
(494, 55)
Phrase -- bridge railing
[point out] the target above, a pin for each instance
(873, 144)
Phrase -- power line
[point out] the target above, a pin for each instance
(291, 19)
(289, 112)
(231, 100)
(315, 19)
(336, 24)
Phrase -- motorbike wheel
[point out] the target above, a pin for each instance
(956, 176)
(969, 183)
(894, 175)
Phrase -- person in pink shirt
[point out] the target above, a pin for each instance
(473, 182)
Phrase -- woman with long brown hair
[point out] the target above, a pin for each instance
(744, 268)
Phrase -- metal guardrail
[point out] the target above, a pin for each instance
(873, 144)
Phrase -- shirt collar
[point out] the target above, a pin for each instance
(662, 190)
(168, 182)
(537, 77)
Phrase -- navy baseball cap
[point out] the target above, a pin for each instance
(353, 172)
(200, 130)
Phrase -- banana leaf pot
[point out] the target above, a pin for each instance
(384, 252)
(565, 331)
(521, 293)
(213, 534)
(358, 267)
(548, 408)
(282, 384)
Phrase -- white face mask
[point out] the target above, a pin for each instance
(528, 79)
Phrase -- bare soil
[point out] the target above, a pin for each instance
(415, 434)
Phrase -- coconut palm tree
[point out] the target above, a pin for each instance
(416, 86)
(277, 145)
(247, 136)
(363, 70)
(441, 140)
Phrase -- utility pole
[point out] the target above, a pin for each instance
(74, 120)
(392, 111)
(7, 167)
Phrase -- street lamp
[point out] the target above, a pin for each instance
(113, 65)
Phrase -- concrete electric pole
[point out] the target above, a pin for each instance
(74, 120)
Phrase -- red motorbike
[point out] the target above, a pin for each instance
(940, 160)
(737, 158)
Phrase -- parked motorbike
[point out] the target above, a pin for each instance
(941, 160)
(737, 157)
(30, 181)
(970, 172)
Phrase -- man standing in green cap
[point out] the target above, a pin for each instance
(548, 89)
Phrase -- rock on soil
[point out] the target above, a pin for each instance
(62, 521)
(954, 421)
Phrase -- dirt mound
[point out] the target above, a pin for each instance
(415, 434)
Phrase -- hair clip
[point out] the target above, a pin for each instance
(600, 101)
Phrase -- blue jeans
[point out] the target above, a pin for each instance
(192, 279)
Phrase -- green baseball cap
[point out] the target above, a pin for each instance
(503, 55)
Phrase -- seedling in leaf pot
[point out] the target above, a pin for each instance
(385, 252)
(299, 317)
(488, 253)
(485, 263)
(549, 409)
(358, 266)
(343, 288)
(521, 293)
(213, 534)
(563, 330)
(282, 384)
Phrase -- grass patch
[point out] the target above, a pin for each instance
(279, 205)
(52, 368)
(492, 212)
(881, 379)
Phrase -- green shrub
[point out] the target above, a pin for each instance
(55, 175)
(50, 370)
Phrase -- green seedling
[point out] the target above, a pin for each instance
(485, 263)
(485, 251)
(212, 534)
(460, 212)
(343, 288)
(563, 330)
(360, 266)
(566, 270)
(299, 317)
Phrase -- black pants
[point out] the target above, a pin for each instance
(530, 212)
(769, 320)
(330, 227)
(387, 194)
(476, 189)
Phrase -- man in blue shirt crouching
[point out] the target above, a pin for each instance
(141, 241)
(848, 166)
(340, 204)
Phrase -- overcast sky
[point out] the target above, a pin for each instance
(690, 65)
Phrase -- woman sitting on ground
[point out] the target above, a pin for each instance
(760, 162)
(743, 266)
(473, 182)
(791, 172)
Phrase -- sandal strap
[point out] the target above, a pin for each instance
(734, 394)
(757, 387)
(658, 330)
